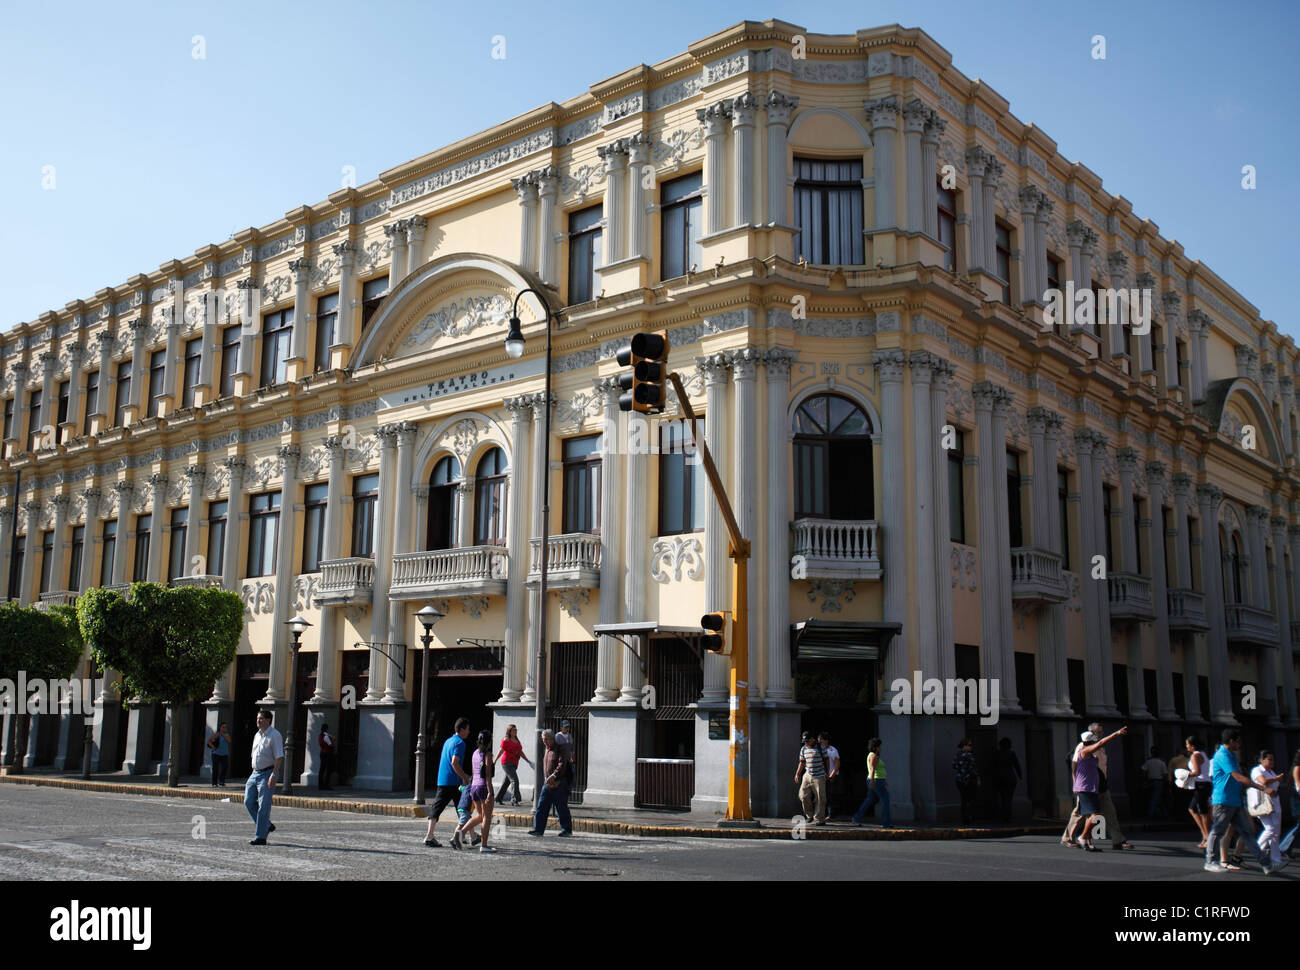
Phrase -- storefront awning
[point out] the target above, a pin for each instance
(812, 640)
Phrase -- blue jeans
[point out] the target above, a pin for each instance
(557, 798)
(878, 793)
(257, 799)
(1234, 815)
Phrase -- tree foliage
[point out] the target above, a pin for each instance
(43, 645)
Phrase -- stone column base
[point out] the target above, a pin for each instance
(504, 713)
(139, 740)
(103, 748)
(712, 760)
(611, 755)
(774, 732)
(381, 747)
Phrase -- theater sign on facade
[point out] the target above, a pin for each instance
(849, 252)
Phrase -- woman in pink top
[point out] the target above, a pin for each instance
(509, 754)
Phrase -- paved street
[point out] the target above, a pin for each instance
(52, 834)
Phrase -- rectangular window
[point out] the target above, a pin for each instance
(229, 360)
(263, 529)
(1053, 272)
(216, 538)
(157, 382)
(681, 479)
(948, 227)
(828, 211)
(490, 502)
(1137, 531)
(1002, 246)
(34, 421)
(584, 254)
(16, 566)
(681, 204)
(176, 564)
(313, 536)
(47, 560)
(957, 491)
(1014, 525)
(581, 484)
(9, 418)
(143, 528)
(193, 368)
(92, 397)
(108, 554)
(1180, 352)
(75, 553)
(277, 344)
(372, 294)
(365, 497)
(1063, 510)
(65, 389)
(327, 314)
(1170, 580)
(123, 393)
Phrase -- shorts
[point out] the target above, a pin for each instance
(480, 794)
(1200, 800)
(444, 796)
(1089, 803)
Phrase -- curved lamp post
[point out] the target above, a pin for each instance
(515, 348)
(297, 625)
(427, 617)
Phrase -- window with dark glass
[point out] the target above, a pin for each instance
(157, 381)
(365, 497)
(372, 294)
(1170, 579)
(1137, 531)
(828, 211)
(1106, 505)
(263, 528)
(176, 564)
(1180, 353)
(681, 479)
(833, 475)
(584, 254)
(948, 226)
(65, 388)
(1014, 524)
(277, 345)
(1235, 569)
(9, 418)
(1002, 248)
(442, 503)
(193, 368)
(313, 527)
(92, 398)
(123, 393)
(957, 490)
(327, 314)
(34, 421)
(490, 499)
(1053, 272)
(681, 203)
(143, 528)
(1063, 510)
(229, 360)
(47, 560)
(216, 538)
(16, 566)
(581, 484)
(107, 553)
(75, 552)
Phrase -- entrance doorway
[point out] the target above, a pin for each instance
(462, 683)
(252, 674)
(354, 681)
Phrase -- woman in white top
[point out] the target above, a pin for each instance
(1263, 774)
(1287, 839)
(1198, 804)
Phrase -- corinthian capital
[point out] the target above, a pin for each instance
(882, 112)
(779, 107)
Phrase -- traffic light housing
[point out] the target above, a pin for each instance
(643, 386)
(714, 624)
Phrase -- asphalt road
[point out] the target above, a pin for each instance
(54, 834)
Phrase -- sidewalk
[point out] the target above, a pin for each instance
(646, 823)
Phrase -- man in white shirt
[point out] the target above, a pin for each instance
(268, 761)
(833, 771)
(1156, 772)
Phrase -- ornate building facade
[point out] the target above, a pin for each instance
(850, 252)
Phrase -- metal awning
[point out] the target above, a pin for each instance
(841, 640)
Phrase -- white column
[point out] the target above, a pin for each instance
(91, 541)
(327, 650)
(549, 188)
(526, 187)
(76, 360)
(1042, 217)
(638, 148)
(302, 309)
(402, 529)
(1208, 499)
(1033, 287)
(942, 557)
(230, 564)
(1094, 592)
(49, 400)
(924, 442)
(512, 684)
(778, 106)
(415, 227)
(349, 306)
(1053, 683)
(285, 571)
(464, 512)
(915, 116)
(883, 116)
(743, 108)
(1127, 460)
(32, 549)
(992, 175)
(22, 399)
(379, 632)
(976, 161)
(777, 522)
(615, 158)
(714, 119)
(1166, 710)
(717, 565)
(930, 138)
(1198, 322)
(121, 552)
(396, 233)
(210, 303)
(58, 569)
(195, 474)
(158, 511)
(744, 365)
(1001, 406)
(636, 549)
(250, 315)
(609, 654)
(992, 465)
(540, 467)
(1182, 487)
(1282, 604)
(893, 505)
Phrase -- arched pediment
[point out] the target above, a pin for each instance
(826, 127)
(1235, 402)
(459, 298)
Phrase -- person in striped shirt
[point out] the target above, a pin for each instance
(813, 770)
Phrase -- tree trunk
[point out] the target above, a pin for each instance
(173, 758)
(20, 743)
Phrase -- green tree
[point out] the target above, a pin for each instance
(45, 645)
(169, 643)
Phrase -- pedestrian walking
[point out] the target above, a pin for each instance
(1087, 781)
(220, 745)
(1198, 770)
(1289, 838)
(1107, 809)
(480, 793)
(877, 787)
(267, 761)
(1266, 807)
(326, 742)
(555, 789)
(1009, 776)
(1225, 806)
(966, 774)
(451, 774)
(564, 741)
(834, 778)
(812, 769)
(1155, 771)
(509, 754)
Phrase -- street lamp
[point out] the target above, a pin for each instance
(515, 348)
(427, 617)
(296, 625)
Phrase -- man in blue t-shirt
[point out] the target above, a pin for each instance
(451, 775)
(1226, 806)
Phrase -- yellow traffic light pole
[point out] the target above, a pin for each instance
(738, 779)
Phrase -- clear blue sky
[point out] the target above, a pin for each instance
(156, 153)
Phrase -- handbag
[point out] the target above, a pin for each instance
(1184, 778)
(1264, 806)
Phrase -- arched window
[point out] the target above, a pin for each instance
(442, 503)
(490, 499)
(833, 474)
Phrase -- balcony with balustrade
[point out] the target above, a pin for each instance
(346, 582)
(837, 548)
(1037, 576)
(573, 561)
(1187, 611)
(1250, 626)
(1130, 598)
(469, 571)
(201, 580)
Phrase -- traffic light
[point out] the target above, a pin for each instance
(713, 624)
(643, 387)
